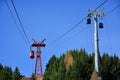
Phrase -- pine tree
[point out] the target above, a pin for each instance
(51, 69)
(1, 67)
(16, 74)
(61, 69)
(6, 73)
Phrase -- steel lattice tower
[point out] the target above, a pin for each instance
(38, 64)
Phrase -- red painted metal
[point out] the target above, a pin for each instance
(38, 45)
(32, 54)
(38, 64)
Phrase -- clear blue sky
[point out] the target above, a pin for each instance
(49, 19)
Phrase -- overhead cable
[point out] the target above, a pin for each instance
(20, 22)
(109, 39)
(118, 6)
(61, 36)
(79, 32)
(70, 29)
(100, 5)
(14, 20)
(112, 10)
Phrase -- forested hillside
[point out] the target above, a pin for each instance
(79, 65)
(6, 73)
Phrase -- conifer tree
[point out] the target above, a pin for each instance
(16, 74)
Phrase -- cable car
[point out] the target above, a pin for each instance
(32, 54)
(88, 21)
(100, 25)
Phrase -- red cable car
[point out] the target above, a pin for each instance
(32, 54)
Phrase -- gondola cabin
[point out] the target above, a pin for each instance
(31, 54)
(101, 25)
(88, 21)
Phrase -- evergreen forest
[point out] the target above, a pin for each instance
(79, 65)
(72, 65)
(6, 73)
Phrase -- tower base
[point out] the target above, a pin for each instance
(95, 76)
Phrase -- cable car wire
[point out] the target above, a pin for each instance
(61, 36)
(79, 32)
(15, 20)
(107, 30)
(100, 5)
(104, 16)
(20, 22)
(112, 10)
(109, 39)
(69, 30)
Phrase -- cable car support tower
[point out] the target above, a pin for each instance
(38, 64)
(96, 15)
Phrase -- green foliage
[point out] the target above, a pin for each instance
(52, 69)
(82, 67)
(61, 69)
(16, 74)
(110, 66)
(7, 74)
(1, 68)
(33, 77)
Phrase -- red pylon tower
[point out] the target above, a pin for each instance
(38, 64)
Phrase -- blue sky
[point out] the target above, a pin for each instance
(50, 19)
